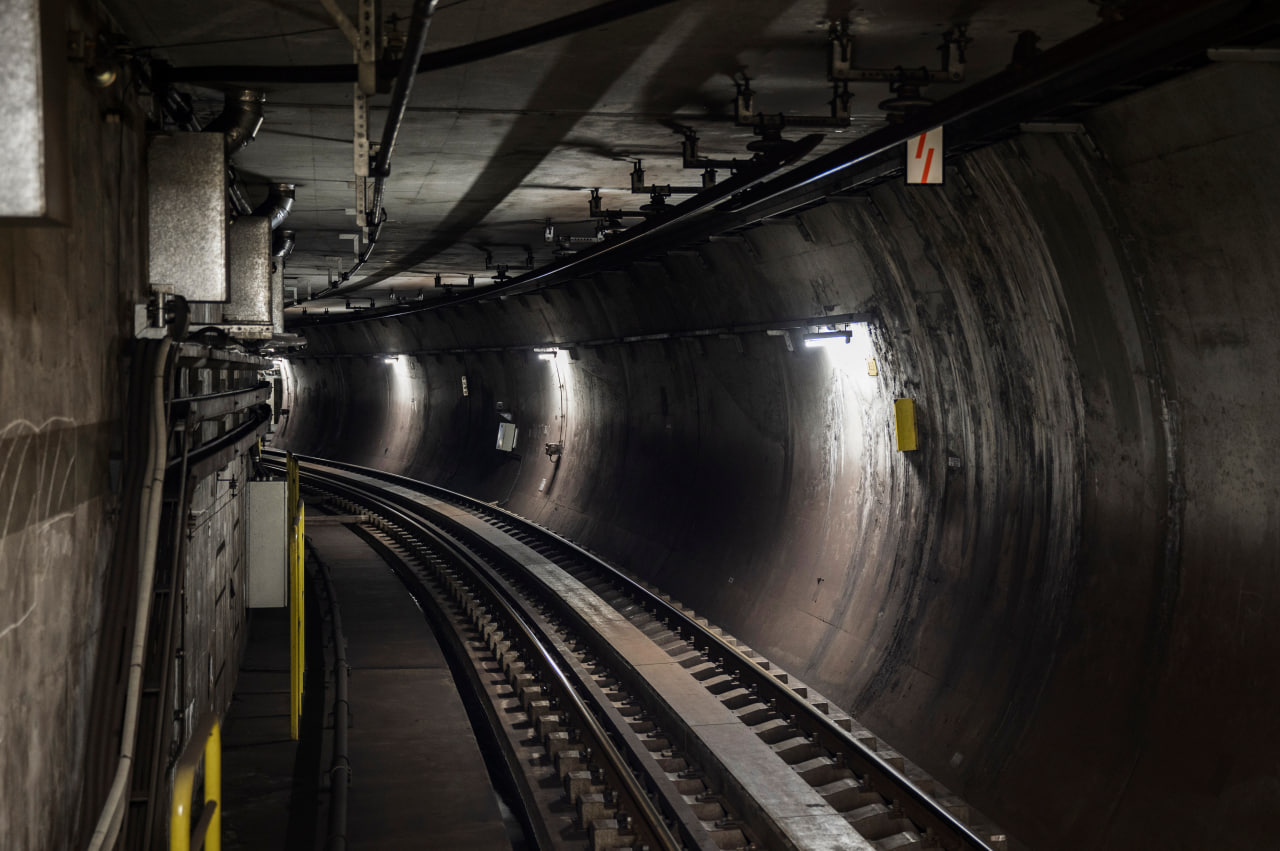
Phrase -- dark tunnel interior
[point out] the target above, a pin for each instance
(1049, 599)
(1055, 591)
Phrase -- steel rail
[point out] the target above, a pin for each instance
(887, 780)
(554, 667)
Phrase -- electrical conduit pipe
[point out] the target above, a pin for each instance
(112, 816)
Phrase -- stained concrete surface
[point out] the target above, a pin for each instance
(418, 778)
(490, 150)
(62, 322)
(1058, 605)
(258, 755)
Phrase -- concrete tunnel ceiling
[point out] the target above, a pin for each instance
(490, 151)
(1042, 606)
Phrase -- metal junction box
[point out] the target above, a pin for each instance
(254, 298)
(188, 219)
(34, 165)
(268, 544)
(507, 437)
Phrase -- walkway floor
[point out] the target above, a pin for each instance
(418, 778)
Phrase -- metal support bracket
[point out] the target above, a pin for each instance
(362, 205)
(771, 126)
(368, 23)
(360, 126)
(841, 55)
(639, 187)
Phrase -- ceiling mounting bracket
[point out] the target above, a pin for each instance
(841, 56)
(368, 24)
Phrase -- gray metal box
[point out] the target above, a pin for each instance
(268, 545)
(249, 278)
(34, 180)
(188, 219)
(506, 437)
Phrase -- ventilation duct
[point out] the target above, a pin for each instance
(278, 205)
(240, 118)
(282, 243)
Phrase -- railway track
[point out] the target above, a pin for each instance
(627, 720)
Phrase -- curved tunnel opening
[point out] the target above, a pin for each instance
(1039, 603)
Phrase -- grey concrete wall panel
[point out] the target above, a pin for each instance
(216, 590)
(63, 328)
(249, 272)
(1076, 567)
(33, 160)
(188, 225)
(268, 545)
(277, 295)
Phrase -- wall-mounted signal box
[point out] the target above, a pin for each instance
(268, 544)
(507, 436)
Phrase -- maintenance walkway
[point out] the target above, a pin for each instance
(418, 776)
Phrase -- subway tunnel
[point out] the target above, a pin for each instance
(1060, 603)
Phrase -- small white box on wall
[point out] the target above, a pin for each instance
(268, 544)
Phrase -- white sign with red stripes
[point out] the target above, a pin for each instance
(924, 157)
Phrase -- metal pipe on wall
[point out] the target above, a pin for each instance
(111, 819)
(278, 204)
(240, 118)
(417, 42)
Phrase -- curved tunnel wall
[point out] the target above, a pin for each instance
(1060, 604)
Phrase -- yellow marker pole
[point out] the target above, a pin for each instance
(213, 787)
(184, 778)
(297, 614)
(295, 650)
(904, 421)
(298, 621)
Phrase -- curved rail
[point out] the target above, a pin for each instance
(553, 667)
(884, 778)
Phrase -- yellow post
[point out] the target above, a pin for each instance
(213, 787)
(297, 620)
(297, 644)
(904, 421)
(184, 777)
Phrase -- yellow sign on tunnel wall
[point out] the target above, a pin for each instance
(904, 422)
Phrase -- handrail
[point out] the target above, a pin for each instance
(208, 830)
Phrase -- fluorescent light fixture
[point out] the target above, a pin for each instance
(390, 359)
(546, 356)
(827, 338)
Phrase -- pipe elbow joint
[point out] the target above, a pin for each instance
(278, 205)
(240, 118)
